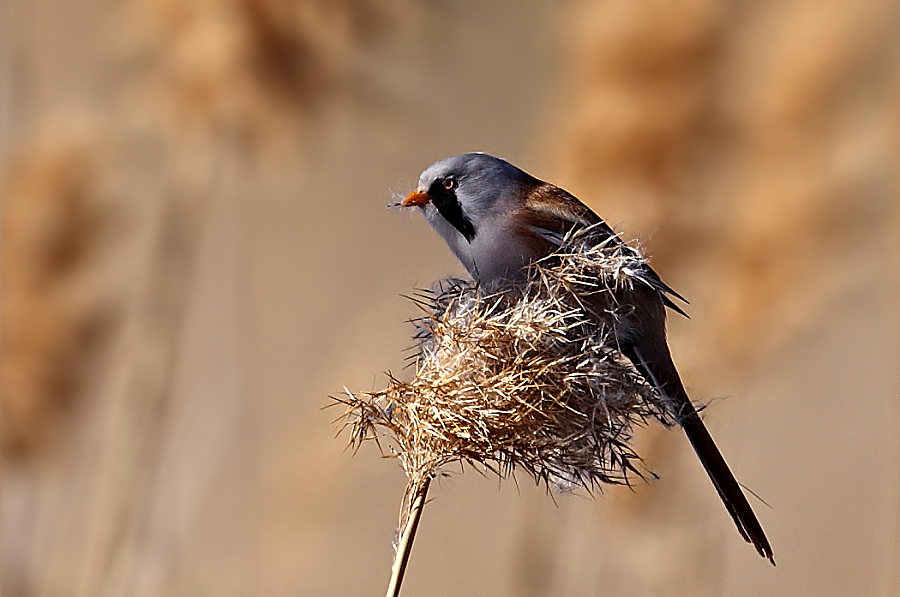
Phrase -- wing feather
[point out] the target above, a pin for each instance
(550, 213)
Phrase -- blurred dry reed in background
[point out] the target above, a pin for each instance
(754, 149)
(758, 139)
(257, 68)
(209, 83)
(173, 311)
(49, 227)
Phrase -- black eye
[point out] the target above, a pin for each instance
(449, 184)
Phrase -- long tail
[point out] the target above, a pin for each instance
(652, 359)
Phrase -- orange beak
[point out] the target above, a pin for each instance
(415, 199)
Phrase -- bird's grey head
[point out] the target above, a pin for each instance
(468, 199)
(466, 191)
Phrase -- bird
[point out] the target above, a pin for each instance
(497, 219)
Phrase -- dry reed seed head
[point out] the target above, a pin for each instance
(528, 377)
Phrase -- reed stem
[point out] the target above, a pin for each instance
(404, 548)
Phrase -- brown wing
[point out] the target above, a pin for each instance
(550, 209)
(550, 213)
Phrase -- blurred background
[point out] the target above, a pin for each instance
(195, 252)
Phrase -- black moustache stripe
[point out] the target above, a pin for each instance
(448, 206)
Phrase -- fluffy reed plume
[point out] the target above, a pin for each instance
(527, 378)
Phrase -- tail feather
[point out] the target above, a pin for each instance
(653, 361)
(726, 485)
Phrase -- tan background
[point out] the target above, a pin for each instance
(196, 253)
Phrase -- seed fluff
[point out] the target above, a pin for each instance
(529, 378)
